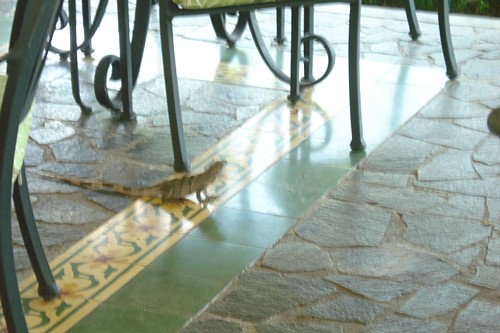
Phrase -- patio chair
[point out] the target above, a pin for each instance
(231, 36)
(169, 9)
(32, 25)
(444, 31)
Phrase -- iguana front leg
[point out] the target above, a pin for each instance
(207, 199)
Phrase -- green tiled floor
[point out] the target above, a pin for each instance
(179, 283)
(183, 280)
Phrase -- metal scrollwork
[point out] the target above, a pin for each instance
(271, 63)
(101, 81)
(90, 27)
(219, 23)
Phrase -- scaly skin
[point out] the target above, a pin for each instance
(168, 189)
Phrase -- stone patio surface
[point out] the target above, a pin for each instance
(409, 241)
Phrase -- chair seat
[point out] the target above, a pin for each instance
(22, 135)
(207, 4)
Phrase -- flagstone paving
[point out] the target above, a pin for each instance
(409, 241)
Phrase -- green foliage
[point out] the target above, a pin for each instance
(480, 7)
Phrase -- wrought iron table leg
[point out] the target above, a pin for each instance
(411, 16)
(295, 91)
(357, 143)
(125, 59)
(446, 42)
(87, 48)
(308, 43)
(280, 26)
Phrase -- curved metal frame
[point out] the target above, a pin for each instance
(219, 25)
(127, 66)
(90, 26)
(34, 21)
(308, 80)
(169, 10)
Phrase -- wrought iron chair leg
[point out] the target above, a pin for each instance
(411, 16)
(75, 78)
(139, 35)
(125, 60)
(47, 287)
(295, 93)
(11, 300)
(280, 26)
(357, 143)
(181, 162)
(86, 12)
(446, 42)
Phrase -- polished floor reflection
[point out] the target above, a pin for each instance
(151, 265)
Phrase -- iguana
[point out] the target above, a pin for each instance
(173, 188)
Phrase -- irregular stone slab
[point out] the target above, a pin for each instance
(346, 309)
(54, 111)
(51, 132)
(378, 178)
(465, 257)
(108, 141)
(494, 211)
(493, 256)
(443, 233)
(487, 171)
(70, 169)
(487, 276)
(445, 107)
(54, 235)
(400, 200)
(442, 133)
(132, 174)
(479, 316)
(450, 165)
(75, 150)
(34, 155)
(306, 328)
(483, 69)
(393, 263)
(376, 289)
(474, 187)
(470, 91)
(338, 223)
(407, 325)
(213, 325)
(437, 300)
(478, 124)
(489, 152)
(40, 185)
(398, 155)
(262, 295)
(112, 201)
(461, 206)
(297, 257)
(68, 211)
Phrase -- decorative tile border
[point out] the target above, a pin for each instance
(101, 263)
